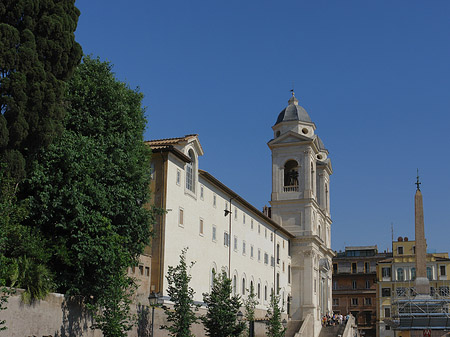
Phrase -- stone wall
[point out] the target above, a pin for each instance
(57, 316)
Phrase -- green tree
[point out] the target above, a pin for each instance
(221, 317)
(38, 54)
(274, 326)
(250, 304)
(23, 255)
(89, 189)
(182, 315)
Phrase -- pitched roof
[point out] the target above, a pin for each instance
(169, 141)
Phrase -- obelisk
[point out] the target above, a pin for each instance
(422, 282)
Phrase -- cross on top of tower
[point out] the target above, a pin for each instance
(417, 182)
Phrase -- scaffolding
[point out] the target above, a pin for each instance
(411, 311)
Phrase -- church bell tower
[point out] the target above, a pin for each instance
(300, 203)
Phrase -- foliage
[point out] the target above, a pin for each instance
(22, 252)
(182, 315)
(38, 54)
(87, 191)
(250, 304)
(112, 313)
(221, 317)
(274, 326)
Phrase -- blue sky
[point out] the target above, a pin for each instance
(373, 75)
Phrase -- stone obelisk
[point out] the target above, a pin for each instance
(422, 282)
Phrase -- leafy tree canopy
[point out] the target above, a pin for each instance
(38, 54)
(221, 317)
(182, 315)
(88, 189)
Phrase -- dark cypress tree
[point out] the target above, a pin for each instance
(38, 54)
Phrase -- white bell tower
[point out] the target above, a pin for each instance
(300, 203)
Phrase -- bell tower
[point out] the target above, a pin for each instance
(300, 203)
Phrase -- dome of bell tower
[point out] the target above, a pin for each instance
(293, 112)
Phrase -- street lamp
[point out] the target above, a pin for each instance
(284, 323)
(240, 316)
(153, 300)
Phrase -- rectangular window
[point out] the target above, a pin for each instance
(235, 243)
(272, 261)
(368, 301)
(251, 251)
(353, 284)
(335, 301)
(178, 177)
(214, 200)
(367, 284)
(354, 301)
(386, 271)
(385, 292)
(201, 227)
(283, 266)
(214, 237)
(265, 233)
(400, 250)
(366, 267)
(235, 213)
(266, 258)
(243, 219)
(271, 237)
(401, 291)
(141, 270)
(335, 285)
(147, 271)
(226, 239)
(251, 224)
(442, 270)
(243, 247)
(259, 255)
(353, 268)
(190, 176)
(259, 229)
(387, 312)
(201, 192)
(181, 217)
(335, 268)
(444, 291)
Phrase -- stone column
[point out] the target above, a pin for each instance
(422, 283)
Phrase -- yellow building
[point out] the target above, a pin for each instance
(396, 296)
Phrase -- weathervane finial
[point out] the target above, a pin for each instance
(418, 183)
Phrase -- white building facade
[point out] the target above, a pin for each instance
(288, 252)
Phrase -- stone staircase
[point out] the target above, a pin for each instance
(292, 328)
(332, 331)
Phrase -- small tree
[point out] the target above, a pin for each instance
(220, 320)
(182, 315)
(250, 304)
(274, 327)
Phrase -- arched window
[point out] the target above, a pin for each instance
(289, 273)
(234, 284)
(252, 288)
(413, 274)
(265, 293)
(190, 179)
(291, 173)
(400, 274)
(213, 275)
(243, 286)
(320, 231)
(429, 273)
(259, 291)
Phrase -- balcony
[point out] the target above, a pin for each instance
(290, 188)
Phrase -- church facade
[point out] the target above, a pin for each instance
(286, 249)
